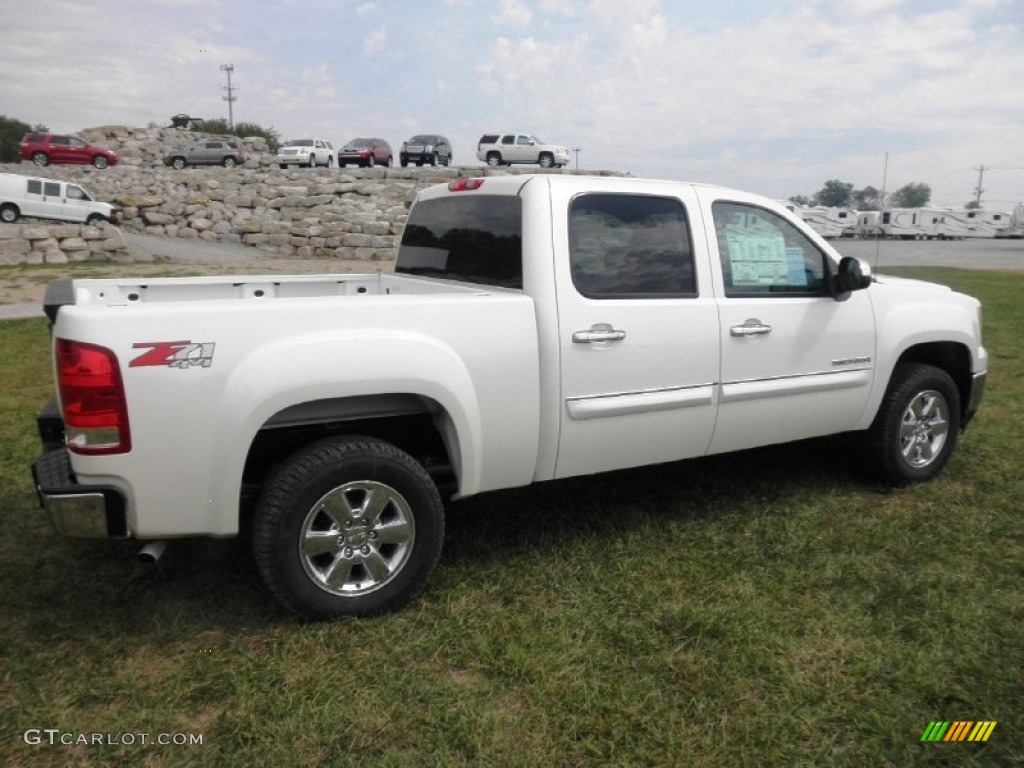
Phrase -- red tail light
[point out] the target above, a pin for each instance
(92, 398)
(461, 185)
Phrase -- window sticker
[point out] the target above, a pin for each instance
(759, 259)
(797, 269)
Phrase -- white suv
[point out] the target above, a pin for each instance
(508, 148)
(311, 152)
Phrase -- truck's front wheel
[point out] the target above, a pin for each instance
(348, 527)
(917, 425)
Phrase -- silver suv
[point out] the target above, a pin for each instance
(311, 152)
(507, 148)
(226, 152)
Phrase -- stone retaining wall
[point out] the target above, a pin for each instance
(60, 243)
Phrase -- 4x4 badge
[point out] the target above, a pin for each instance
(174, 354)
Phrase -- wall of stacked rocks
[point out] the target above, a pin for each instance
(47, 243)
(299, 212)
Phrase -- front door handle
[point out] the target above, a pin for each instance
(752, 327)
(598, 332)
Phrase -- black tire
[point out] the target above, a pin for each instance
(230, 162)
(433, 159)
(380, 563)
(389, 161)
(283, 165)
(404, 162)
(40, 158)
(330, 161)
(99, 161)
(546, 160)
(94, 219)
(917, 425)
(493, 159)
(312, 161)
(371, 161)
(9, 213)
(178, 163)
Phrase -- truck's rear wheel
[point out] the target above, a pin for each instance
(917, 425)
(493, 159)
(348, 527)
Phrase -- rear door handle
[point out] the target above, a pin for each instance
(752, 327)
(598, 332)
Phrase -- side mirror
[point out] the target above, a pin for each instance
(852, 275)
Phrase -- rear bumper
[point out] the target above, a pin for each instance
(75, 510)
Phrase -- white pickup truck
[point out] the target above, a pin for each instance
(536, 327)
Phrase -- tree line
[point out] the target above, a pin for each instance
(842, 194)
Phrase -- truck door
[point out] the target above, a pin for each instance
(796, 363)
(638, 329)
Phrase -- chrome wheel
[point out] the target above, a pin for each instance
(356, 538)
(924, 428)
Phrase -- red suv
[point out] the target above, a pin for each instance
(46, 148)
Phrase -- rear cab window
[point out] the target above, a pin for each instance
(627, 246)
(473, 238)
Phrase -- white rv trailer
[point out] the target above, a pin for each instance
(952, 224)
(983, 223)
(830, 221)
(910, 223)
(869, 224)
(1016, 228)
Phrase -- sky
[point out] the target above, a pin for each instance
(768, 96)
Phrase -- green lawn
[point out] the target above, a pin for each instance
(764, 609)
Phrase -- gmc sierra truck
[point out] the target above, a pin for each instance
(535, 327)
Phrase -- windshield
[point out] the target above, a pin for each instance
(299, 143)
(422, 140)
(359, 144)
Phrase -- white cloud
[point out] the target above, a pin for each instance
(514, 14)
(375, 41)
(365, 10)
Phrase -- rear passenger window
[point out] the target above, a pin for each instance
(35, 186)
(630, 246)
(51, 188)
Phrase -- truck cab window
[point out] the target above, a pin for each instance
(474, 239)
(630, 246)
(762, 253)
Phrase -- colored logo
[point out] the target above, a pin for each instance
(174, 354)
(958, 730)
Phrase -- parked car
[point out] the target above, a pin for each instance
(50, 199)
(226, 152)
(46, 148)
(426, 148)
(508, 148)
(365, 152)
(311, 152)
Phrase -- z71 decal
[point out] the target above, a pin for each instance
(174, 354)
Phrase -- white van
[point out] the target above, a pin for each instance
(49, 199)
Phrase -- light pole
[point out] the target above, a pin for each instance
(576, 150)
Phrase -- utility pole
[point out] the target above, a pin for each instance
(229, 68)
(577, 151)
(978, 190)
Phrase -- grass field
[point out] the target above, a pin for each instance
(764, 609)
